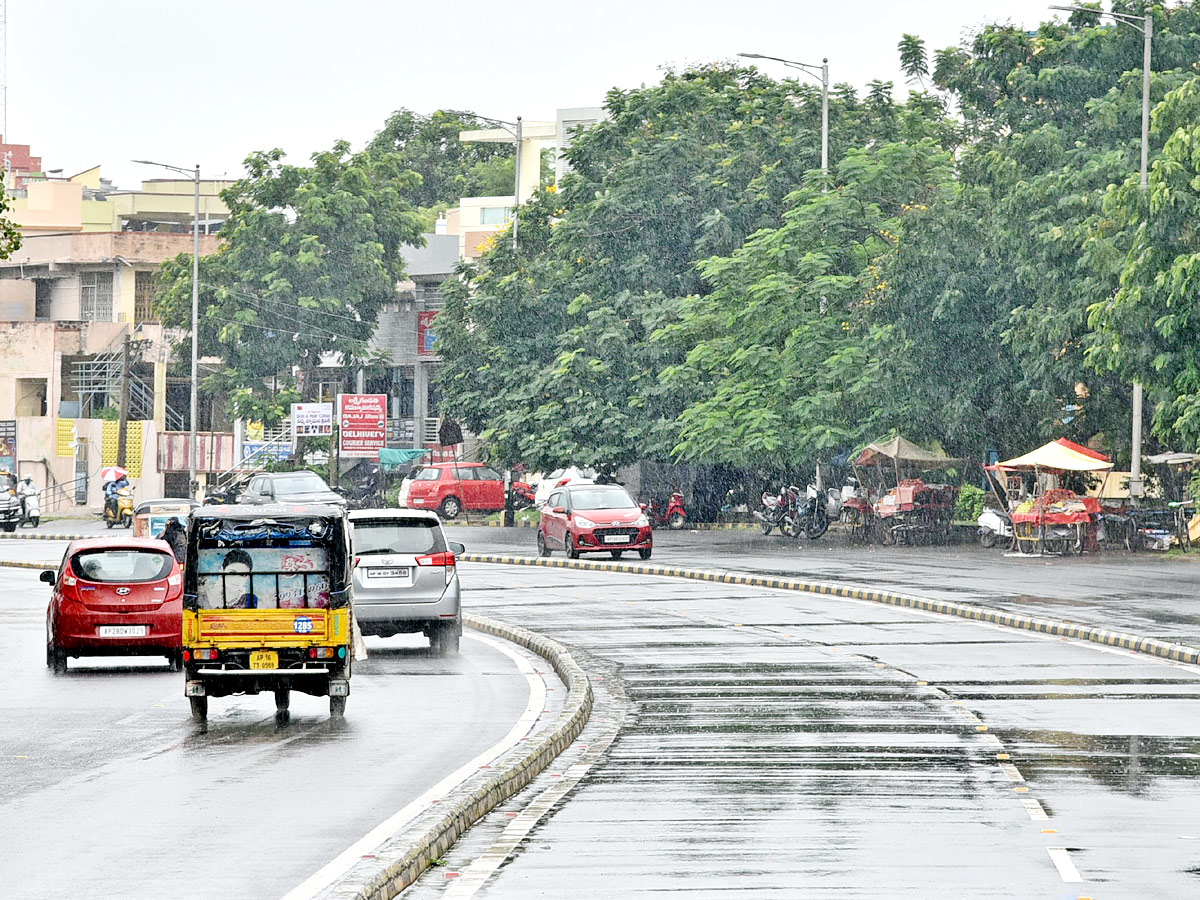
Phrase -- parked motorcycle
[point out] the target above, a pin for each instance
(812, 517)
(521, 495)
(776, 511)
(994, 525)
(222, 496)
(673, 515)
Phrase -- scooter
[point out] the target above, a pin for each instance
(31, 512)
(674, 516)
(994, 525)
(119, 512)
(777, 511)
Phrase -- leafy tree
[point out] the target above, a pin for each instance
(913, 61)
(10, 235)
(309, 257)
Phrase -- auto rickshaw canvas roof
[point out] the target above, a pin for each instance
(172, 504)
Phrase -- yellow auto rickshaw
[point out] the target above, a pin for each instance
(266, 604)
(150, 517)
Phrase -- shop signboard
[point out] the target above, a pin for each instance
(312, 420)
(8, 445)
(362, 424)
(426, 338)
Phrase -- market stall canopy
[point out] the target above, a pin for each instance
(898, 450)
(1173, 459)
(1062, 456)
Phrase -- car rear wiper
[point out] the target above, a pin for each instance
(375, 550)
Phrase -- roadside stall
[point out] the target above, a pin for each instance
(1170, 519)
(1055, 519)
(905, 501)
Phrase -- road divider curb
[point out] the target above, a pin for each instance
(431, 834)
(25, 564)
(16, 536)
(1124, 640)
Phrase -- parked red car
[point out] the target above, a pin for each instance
(593, 518)
(450, 488)
(115, 598)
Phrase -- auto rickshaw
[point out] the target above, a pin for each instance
(266, 604)
(151, 516)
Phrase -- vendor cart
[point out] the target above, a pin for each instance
(907, 504)
(1056, 520)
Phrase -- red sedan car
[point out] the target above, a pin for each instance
(115, 598)
(593, 518)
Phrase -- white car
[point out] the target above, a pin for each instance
(559, 477)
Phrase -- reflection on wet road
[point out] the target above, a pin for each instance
(107, 789)
(785, 745)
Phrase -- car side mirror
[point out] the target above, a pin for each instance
(47, 577)
(559, 509)
(456, 548)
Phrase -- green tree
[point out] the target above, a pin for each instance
(10, 235)
(309, 256)
(913, 60)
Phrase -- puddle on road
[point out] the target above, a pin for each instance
(1125, 763)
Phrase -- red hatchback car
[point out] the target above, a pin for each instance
(593, 518)
(449, 488)
(115, 598)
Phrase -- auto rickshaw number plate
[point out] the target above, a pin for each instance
(264, 659)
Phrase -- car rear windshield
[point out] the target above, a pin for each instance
(601, 498)
(398, 536)
(428, 475)
(126, 566)
(299, 483)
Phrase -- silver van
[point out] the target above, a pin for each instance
(405, 577)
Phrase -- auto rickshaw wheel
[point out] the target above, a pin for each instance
(199, 707)
(337, 707)
(175, 660)
(283, 698)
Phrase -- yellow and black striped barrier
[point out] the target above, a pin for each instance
(1151, 646)
(39, 536)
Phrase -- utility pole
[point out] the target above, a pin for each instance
(123, 423)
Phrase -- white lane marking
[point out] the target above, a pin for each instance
(1062, 861)
(1014, 774)
(348, 858)
(1035, 810)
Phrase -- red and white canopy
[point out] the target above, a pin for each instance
(1060, 456)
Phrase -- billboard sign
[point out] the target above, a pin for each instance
(426, 339)
(362, 424)
(312, 419)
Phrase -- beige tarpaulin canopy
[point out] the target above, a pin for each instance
(898, 450)
(1062, 456)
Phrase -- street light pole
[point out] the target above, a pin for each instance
(811, 69)
(193, 450)
(1147, 29)
(515, 129)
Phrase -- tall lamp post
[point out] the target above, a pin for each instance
(193, 483)
(513, 128)
(823, 76)
(1144, 24)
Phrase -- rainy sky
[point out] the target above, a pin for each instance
(102, 83)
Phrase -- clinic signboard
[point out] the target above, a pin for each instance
(312, 420)
(362, 424)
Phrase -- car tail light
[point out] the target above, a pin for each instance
(174, 580)
(70, 580)
(439, 559)
(204, 654)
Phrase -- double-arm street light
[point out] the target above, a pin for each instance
(821, 73)
(1144, 24)
(513, 128)
(193, 483)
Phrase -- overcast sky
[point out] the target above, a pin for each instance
(106, 81)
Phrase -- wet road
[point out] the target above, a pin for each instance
(107, 789)
(783, 745)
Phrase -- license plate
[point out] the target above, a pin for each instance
(616, 539)
(387, 573)
(264, 659)
(124, 630)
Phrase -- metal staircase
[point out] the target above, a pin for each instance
(97, 379)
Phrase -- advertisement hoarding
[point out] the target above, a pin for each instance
(362, 424)
(8, 445)
(426, 339)
(312, 420)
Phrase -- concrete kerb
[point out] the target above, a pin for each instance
(1124, 640)
(402, 860)
(17, 536)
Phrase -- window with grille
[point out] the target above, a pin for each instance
(145, 287)
(96, 296)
